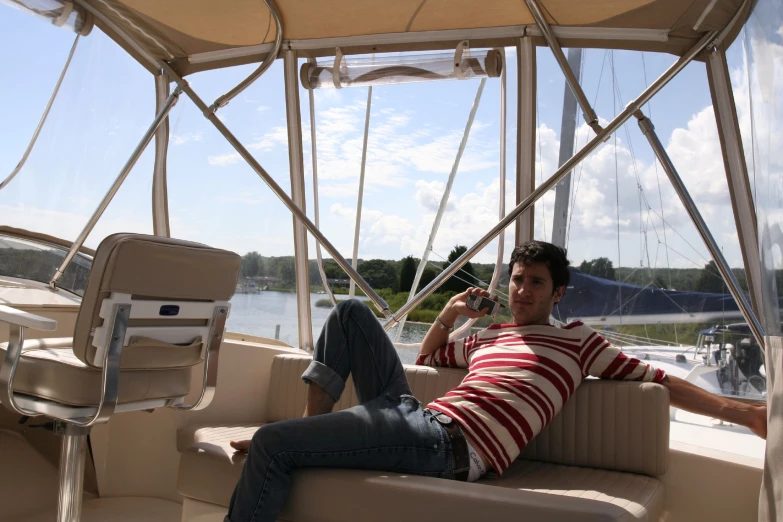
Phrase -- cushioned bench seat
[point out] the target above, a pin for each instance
(619, 430)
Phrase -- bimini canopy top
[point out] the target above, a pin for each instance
(196, 35)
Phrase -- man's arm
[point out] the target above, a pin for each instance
(437, 337)
(690, 397)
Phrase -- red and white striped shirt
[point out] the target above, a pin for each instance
(519, 377)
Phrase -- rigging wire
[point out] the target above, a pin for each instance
(444, 200)
(476, 278)
(660, 194)
(587, 137)
(616, 184)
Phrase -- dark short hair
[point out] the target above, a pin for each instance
(545, 253)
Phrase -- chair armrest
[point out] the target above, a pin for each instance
(26, 319)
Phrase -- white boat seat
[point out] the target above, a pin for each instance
(152, 309)
(616, 432)
(49, 369)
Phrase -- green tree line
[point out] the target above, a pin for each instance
(398, 275)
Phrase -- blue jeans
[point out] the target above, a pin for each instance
(388, 431)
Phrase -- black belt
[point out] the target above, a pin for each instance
(459, 445)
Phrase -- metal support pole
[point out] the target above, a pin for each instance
(587, 111)
(526, 134)
(615, 124)
(72, 457)
(567, 137)
(296, 162)
(171, 101)
(728, 276)
(160, 200)
(355, 255)
(736, 172)
(242, 150)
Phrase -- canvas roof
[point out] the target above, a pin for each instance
(179, 30)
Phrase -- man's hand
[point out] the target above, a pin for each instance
(457, 306)
(689, 397)
(437, 337)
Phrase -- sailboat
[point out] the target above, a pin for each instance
(121, 387)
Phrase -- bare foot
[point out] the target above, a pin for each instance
(242, 445)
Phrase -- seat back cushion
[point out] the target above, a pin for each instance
(154, 269)
(614, 425)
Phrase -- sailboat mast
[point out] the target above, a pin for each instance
(567, 136)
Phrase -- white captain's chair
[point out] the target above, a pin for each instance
(153, 308)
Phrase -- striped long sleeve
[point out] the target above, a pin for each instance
(519, 378)
(454, 355)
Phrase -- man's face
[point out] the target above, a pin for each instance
(531, 293)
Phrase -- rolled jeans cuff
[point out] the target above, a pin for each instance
(326, 378)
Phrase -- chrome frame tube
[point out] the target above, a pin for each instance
(160, 203)
(728, 276)
(251, 161)
(736, 171)
(279, 192)
(296, 166)
(359, 204)
(109, 376)
(145, 140)
(211, 360)
(526, 134)
(45, 115)
(615, 124)
(587, 110)
(448, 37)
(8, 370)
(268, 61)
(73, 453)
(567, 138)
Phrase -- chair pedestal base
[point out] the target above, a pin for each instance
(72, 457)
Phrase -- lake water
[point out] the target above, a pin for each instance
(260, 314)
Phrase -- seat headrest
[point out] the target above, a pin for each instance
(152, 267)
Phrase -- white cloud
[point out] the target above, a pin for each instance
(263, 108)
(224, 159)
(429, 195)
(277, 137)
(181, 139)
(397, 148)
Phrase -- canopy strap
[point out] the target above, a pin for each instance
(355, 258)
(324, 280)
(27, 152)
(443, 201)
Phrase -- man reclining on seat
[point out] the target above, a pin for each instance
(520, 375)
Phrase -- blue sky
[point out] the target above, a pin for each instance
(107, 101)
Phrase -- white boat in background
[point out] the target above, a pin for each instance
(138, 453)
